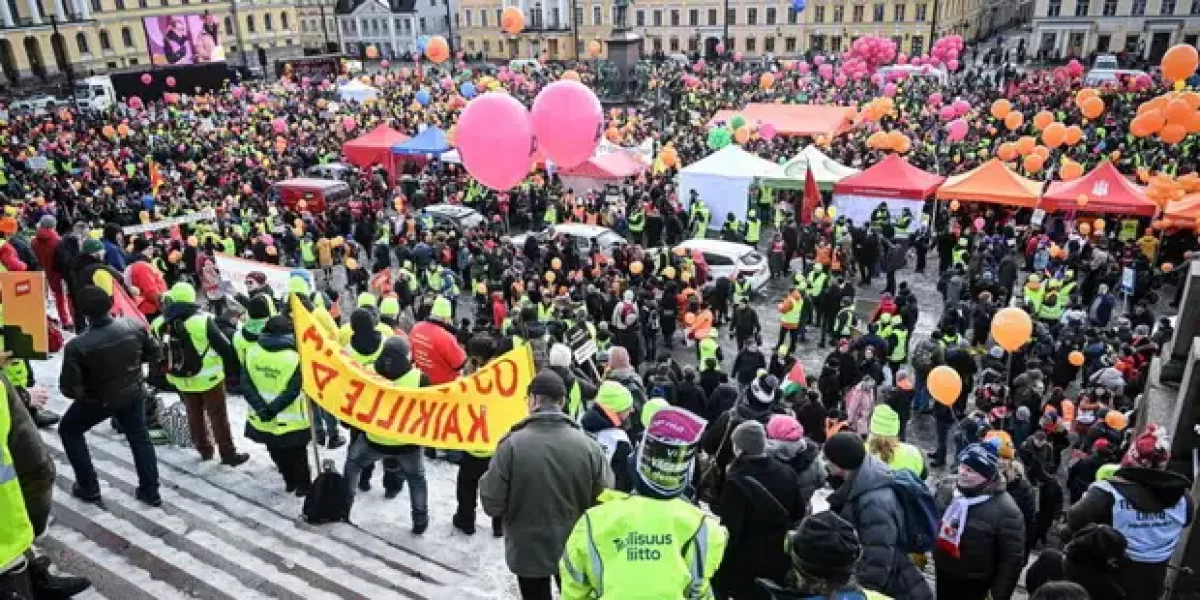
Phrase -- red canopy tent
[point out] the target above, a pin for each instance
(373, 147)
(1108, 191)
(594, 173)
(892, 177)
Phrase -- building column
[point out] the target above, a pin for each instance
(6, 14)
(84, 8)
(34, 13)
(61, 11)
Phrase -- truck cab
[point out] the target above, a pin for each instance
(95, 94)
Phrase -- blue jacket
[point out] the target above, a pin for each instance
(114, 256)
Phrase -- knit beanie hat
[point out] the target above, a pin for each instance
(393, 360)
(845, 450)
(825, 546)
(91, 246)
(651, 408)
(885, 421)
(762, 390)
(560, 355)
(1097, 547)
(278, 325)
(784, 428)
(663, 462)
(548, 384)
(1150, 450)
(259, 307)
(614, 397)
(750, 438)
(93, 302)
(982, 459)
(362, 321)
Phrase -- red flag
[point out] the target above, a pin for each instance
(812, 198)
(124, 306)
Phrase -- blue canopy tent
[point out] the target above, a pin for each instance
(431, 141)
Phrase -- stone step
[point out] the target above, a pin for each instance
(208, 510)
(113, 575)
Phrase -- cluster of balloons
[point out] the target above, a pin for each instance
(1164, 189)
(946, 50)
(1174, 115)
(948, 112)
(877, 109)
(1089, 102)
(1070, 170)
(871, 52)
(894, 141)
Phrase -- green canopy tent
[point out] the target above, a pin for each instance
(825, 170)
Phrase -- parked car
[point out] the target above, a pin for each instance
(454, 217)
(336, 170)
(315, 193)
(38, 105)
(580, 234)
(727, 259)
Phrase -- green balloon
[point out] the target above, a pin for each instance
(737, 121)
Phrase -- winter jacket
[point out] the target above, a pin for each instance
(691, 397)
(758, 505)
(803, 457)
(599, 425)
(747, 364)
(268, 410)
(45, 244)
(105, 363)
(1149, 492)
(10, 258)
(545, 474)
(717, 435)
(1025, 495)
(868, 502)
(992, 546)
(146, 278)
(30, 459)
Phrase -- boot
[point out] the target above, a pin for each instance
(48, 586)
(497, 527)
(236, 459)
(86, 496)
(420, 524)
(464, 525)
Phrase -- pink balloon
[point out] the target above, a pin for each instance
(495, 140)
(279, 125)
(237, 92)
(720, 48)
(746, 79)
(947, 113)
(146, 79)
(956, 130)
(826, 71)
(699, 66)
(134, 102)
(804, 68)
(961, 107)
(952, 65)
(889, 90)
(305, 81)
(902, 59)
(980, 223)
(766, 131)
(840, 80)
(348, 123)
(504, 76)
(737, 57)
(405, 73)
(567, 120)
(935, 99)
(818, 60)
(170, 82)
(383, 64)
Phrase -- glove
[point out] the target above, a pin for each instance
(268, 414)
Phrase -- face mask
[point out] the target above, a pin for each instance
(836, 481)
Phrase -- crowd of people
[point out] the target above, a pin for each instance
(794, 486)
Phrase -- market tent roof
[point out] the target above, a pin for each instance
(723, 178)
(991, 182)
(373, 147)
(1108, 191)
(892, 177)
(430, 141)
(826, 171)
(1184, 212)
(614, 165)
(796, 119)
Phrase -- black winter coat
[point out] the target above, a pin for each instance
(105, 363)
(992, 547)
(758, 505)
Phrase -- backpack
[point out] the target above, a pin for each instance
(329, 500)
(179, 353)
(175, 425)
(920, 512)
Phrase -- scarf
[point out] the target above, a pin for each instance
(954, 521)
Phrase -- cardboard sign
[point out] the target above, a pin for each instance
(579, 338)
(23, 294)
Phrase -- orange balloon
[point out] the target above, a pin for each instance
(1180, 62)
(1041, 151)
(896, 140)
(1007, 151)
(1144, 125)
(1172, 134)
(1033, 163)
(1092, 108)
(1001, 108)
(1082, 201)
(1083, 95)
(1074, 135)
(1178, 111)
(944, 385)
(1075, 358)
(1014, 120)
(1054, 134)
(1025, 145)
(1084, 229)
(1070, 170)
(512, 20)
(1157, 103)
(613, 134)
(767, 81)
(594, 48)
(1194, 123)
(1011, 328)
(437, 49)
(741, 135)
(372, 52)
(1043, 120)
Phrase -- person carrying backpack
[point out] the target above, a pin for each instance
(868, 496)
(197, 357)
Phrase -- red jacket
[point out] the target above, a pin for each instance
(146, 278)
(10, 259)
(45, 244)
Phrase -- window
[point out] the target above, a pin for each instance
(228, 25)
(921, 10)
(640, 18)
(674, 18)
(1102, 42)
(596, 16)
(712, 16)
(96, 7)
(535, 17)
(752, 16)
(839, 13)
(1139, 8)
(82, 43)
(657, 18)
(793, 16)
(120, 4)
(918, 45)
(817, 43)
(421, 25)
(658, 45)
(1195, 8)
(819, 14)
(1054, 8)
(105, 43)
(857, 14)
(1110, 8)
(731, 16)
(283, 20)
(693, 17)
(468, 16)
(877, 12)
(789, 45)
(304, 26)
(771, 15)
(250, 26)
(769, 44)
(578, 15)
(555, 18)
(269, 23)
(693, 44)
(1081, 8)
(127, 37)
(835, 43)
(487, 46)
(143, 4)
(498, 12)
(674, 44)
(898, 13)
(1167, 8)
(750, 43)
(483, 18)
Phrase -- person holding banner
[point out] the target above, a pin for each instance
(271, 386)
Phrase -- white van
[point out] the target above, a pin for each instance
(521, 64)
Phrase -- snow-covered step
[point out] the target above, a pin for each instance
(112, 574)
(239, 509)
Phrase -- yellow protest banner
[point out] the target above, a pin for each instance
(469, 413)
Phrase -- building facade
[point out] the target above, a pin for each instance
(1142, 29)
(560, 28)
(94, 36)
(393, 28)
(319, 32)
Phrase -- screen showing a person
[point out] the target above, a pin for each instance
(184, 39)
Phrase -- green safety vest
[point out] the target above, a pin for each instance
(241, 345)
(1067, 289)
(1129, 230)
(16, 532)
(545, 312)
(900, 352)
(637, 222)
(306, 252)
(816, 283)
(550, 217)
(959, 257)
(766, 197)
(410, 278)
(1033, 298)
(741, 289)
(848, 323)
(408, 381)
(229, 246)
(707, 348)
(270, 372)
(908, 457)
(212, 368)
(949, 340)
(902, 223)
(433, 277)
(662, 549)
(753, 231)
(367, 360)
(792, 317)
(1053, 311)
(575, 402)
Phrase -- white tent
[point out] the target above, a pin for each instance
(451, 156)
(722, 180)
(826, 171)
(357, 91)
